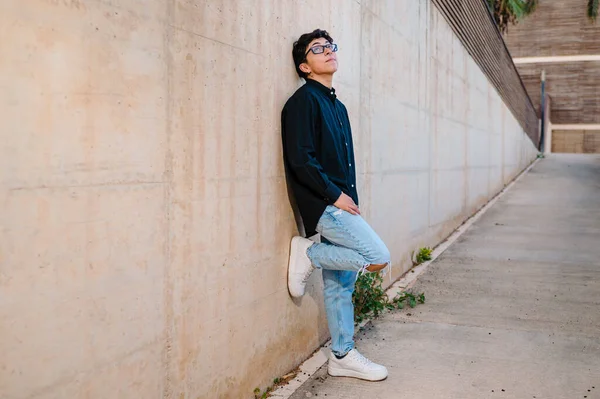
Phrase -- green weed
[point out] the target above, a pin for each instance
(370, 299)
(423, 255)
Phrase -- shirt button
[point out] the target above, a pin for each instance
(346, 143)
(350, 164)
(352, 185)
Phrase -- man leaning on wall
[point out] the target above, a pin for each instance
(319, 160)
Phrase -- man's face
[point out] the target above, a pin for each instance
(321, 64)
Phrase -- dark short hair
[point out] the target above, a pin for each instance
(301, 45)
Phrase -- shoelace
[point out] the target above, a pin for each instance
(361, 359)
(307, 274)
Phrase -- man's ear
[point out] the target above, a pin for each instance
(305, 68)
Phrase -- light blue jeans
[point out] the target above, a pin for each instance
(348, 244)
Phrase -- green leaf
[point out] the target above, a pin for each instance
(370, 299)
(423, 255)
(507, 12)
(412, 303)
(593, 6)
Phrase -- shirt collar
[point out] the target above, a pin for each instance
(321, 87)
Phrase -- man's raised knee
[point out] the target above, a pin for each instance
(380, 256)
(379, 260)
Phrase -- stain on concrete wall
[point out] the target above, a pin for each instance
(145, 221)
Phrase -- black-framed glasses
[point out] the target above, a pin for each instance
(320, 48)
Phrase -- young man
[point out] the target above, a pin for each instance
(319, 161)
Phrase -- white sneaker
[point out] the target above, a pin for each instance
(300, 267)
(356, 365)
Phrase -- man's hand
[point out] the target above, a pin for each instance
(346, 203)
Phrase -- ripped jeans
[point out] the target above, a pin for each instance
(348, 245)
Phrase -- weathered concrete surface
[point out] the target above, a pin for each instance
(512, 306)
(144, 220)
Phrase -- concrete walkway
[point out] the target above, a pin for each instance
(513, 307)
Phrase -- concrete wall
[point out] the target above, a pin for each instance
(145, 222)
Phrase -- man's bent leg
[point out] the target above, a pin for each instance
(350, 243)
(339, 286)
(347, 241)
(329, 256)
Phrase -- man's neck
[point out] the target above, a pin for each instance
(325, 80)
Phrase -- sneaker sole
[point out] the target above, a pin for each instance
(293, 261)
(335, 372)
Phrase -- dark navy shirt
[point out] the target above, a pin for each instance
(317, 150)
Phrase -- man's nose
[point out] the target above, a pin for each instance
(328, 51)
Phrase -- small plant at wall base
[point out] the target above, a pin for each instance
(277, 382)
(263, 395)
(423, 255)
(370, 299)
(402, 298)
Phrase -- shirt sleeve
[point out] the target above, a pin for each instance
(299, 121)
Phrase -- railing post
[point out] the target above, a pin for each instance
(543, 112)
